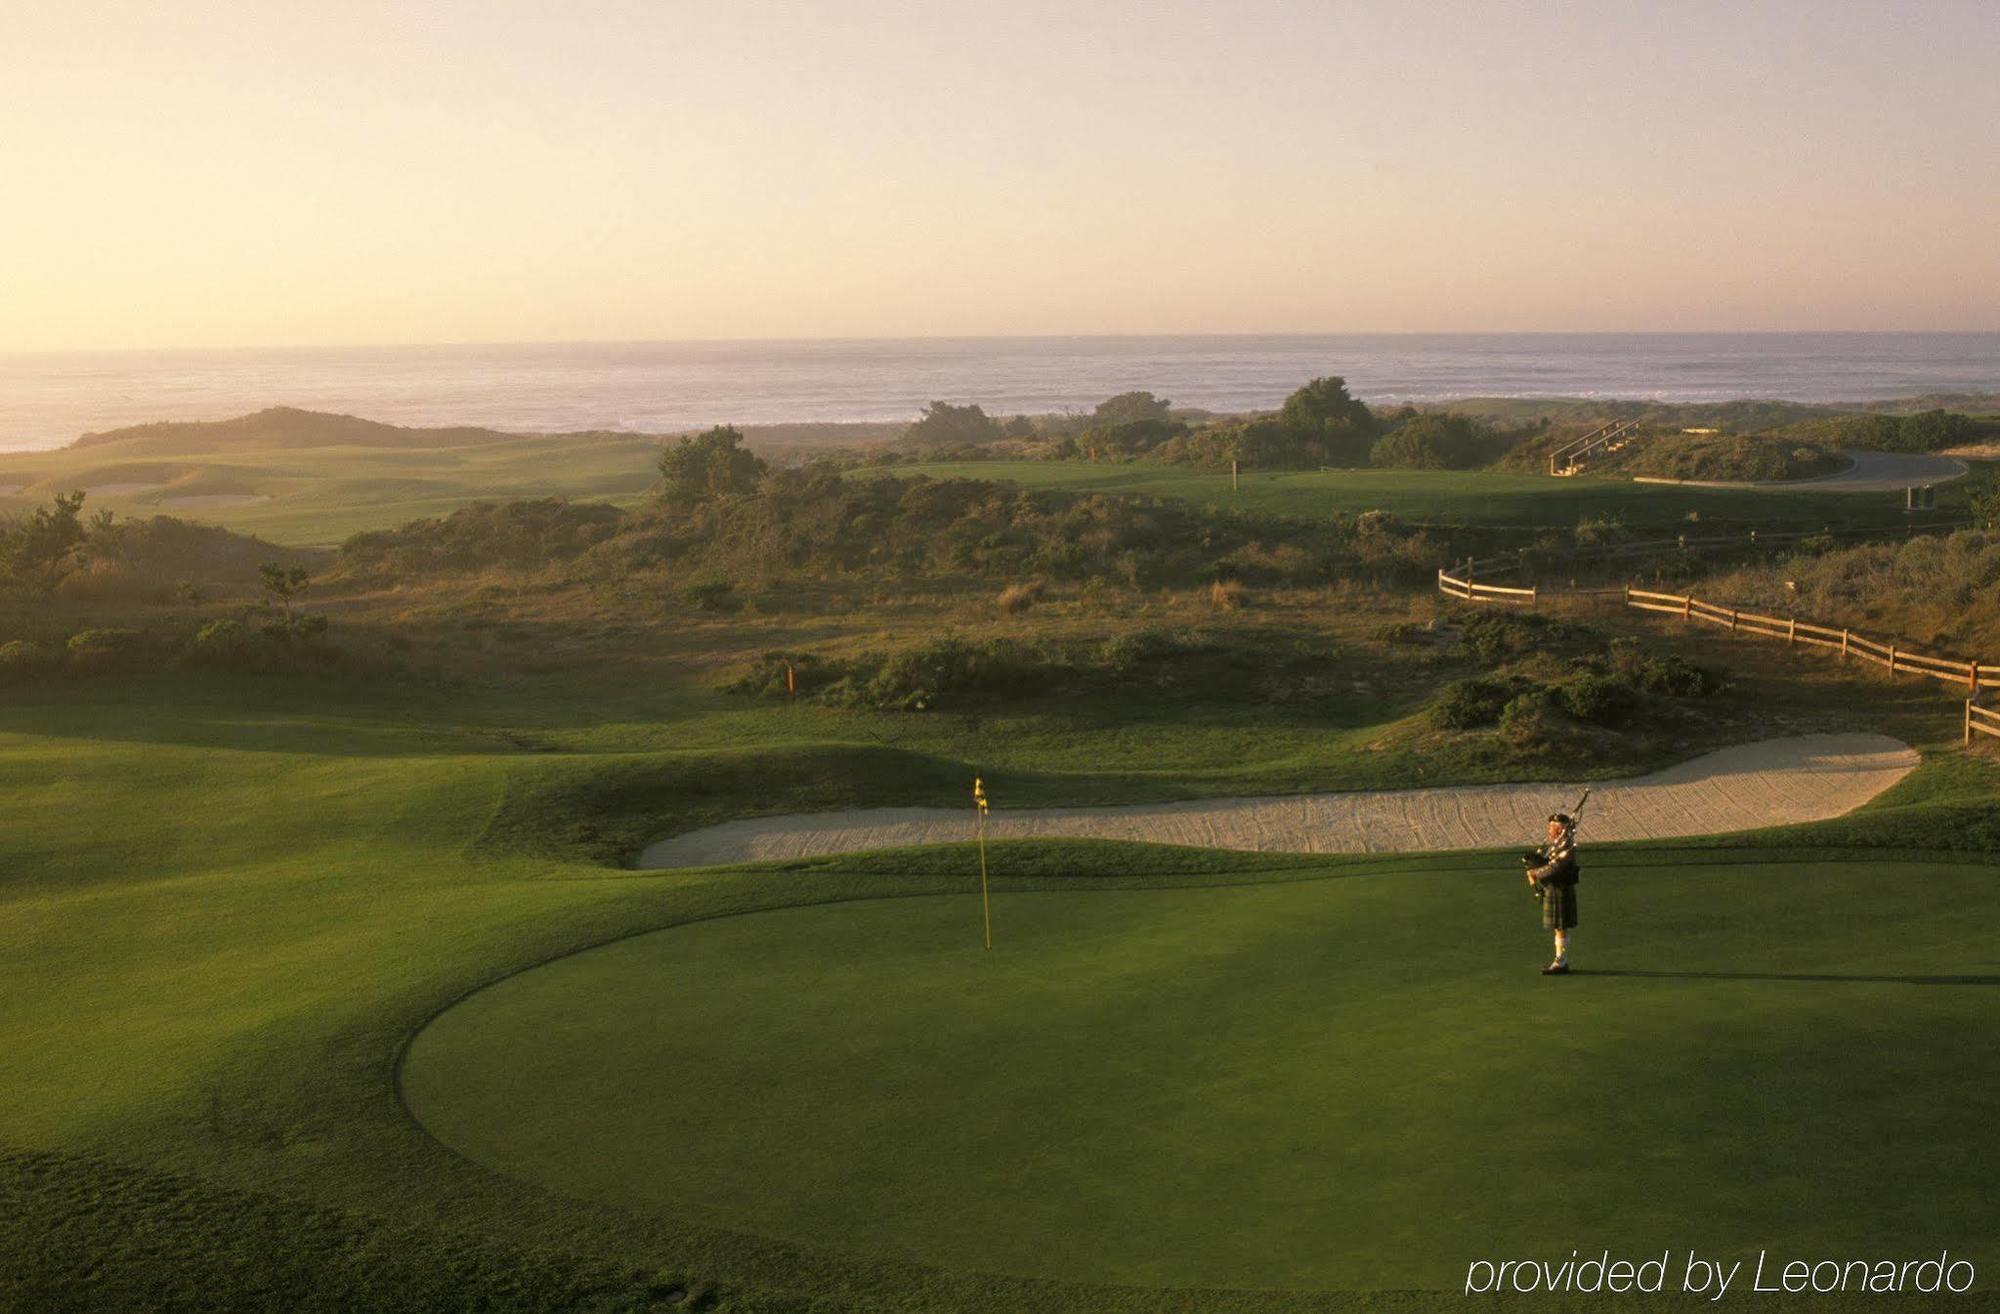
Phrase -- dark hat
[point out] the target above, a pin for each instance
(1563, 817)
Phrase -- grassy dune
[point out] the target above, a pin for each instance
(320, 495)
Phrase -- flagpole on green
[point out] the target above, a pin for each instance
(985, 901)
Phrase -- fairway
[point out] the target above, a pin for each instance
(1482, 498)
(1353, 1081)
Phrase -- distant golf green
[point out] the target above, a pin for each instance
(1353, 1081)
(1487, 498)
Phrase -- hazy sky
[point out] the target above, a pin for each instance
(268, 173)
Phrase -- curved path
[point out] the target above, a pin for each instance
(1776, 782)
(1872, 472)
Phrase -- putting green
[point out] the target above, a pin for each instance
(1351, 1082)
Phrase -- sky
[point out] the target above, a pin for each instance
(286, 173)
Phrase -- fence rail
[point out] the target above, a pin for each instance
(1472, 591)
(1900, 660)
(1980, 721)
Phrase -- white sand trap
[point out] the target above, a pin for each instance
(121, 489)
(212, 501)
(1776, 782)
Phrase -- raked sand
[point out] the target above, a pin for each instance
(1776, 782)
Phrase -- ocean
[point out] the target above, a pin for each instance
(47, 399)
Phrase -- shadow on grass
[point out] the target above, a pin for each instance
(1971, 980)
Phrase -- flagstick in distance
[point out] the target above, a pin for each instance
(985, 902)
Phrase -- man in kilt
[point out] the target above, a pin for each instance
(1552, 873)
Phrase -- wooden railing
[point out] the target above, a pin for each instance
(1902, 660)
(1467, 589)
(1563, 459)
(1980, 721)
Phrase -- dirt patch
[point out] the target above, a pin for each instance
(1776, 782)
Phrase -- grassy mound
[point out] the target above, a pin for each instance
(1730, 459)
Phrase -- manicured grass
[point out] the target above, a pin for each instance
(321, 495)
(1471, 498)
(228, 903)
(1351, 1082)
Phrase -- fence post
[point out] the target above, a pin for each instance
(1687, 607)
(1968, 723)
(1843, 644)
(1892, 659)
(1732, 620)
(1792, 630)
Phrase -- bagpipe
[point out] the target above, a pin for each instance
(1532, 858)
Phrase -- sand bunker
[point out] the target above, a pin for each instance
(1777, 782)
(127, 489)
(212, 501)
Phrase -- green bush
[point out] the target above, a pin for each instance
(23, 660)
(1529, 719)
(220, 640)
(1469, 704)
(1599, 700)
(710, 595)
(92, 651)
(1494, 637)
(1435, 441)
(1671, 674)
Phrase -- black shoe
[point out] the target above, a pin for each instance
(1556, 969)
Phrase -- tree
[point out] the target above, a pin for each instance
(709, 465)
(45, 546)
(285, 583)
(1020, 427)
(1131, 407)
(945, 425)
(1329, 423)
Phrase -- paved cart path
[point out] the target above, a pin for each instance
(1872, 472)
(1776, 782)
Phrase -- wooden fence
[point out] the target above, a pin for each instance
(1469, 590)
(1902, 660)
(1980, 720)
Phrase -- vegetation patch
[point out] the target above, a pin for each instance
(1729, 459)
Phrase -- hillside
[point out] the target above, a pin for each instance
(284, 427)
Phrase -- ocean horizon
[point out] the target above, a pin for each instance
(48, 399)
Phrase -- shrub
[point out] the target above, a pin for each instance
(220, 641)
(1019, 597)
(1494, 637)
(1226, 595)
(710, 595)
(1434, 441)
(1599, 700)
(1469, 704)
(101, 650)
(22, 660)
(1529, 719)
(1404, 632)
(1672, 674)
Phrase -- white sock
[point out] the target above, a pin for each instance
(1562, 947)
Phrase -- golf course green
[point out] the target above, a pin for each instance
(1355, 1080)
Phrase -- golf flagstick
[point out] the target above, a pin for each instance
(985, 902)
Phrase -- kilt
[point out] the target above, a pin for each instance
(1558, 906)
